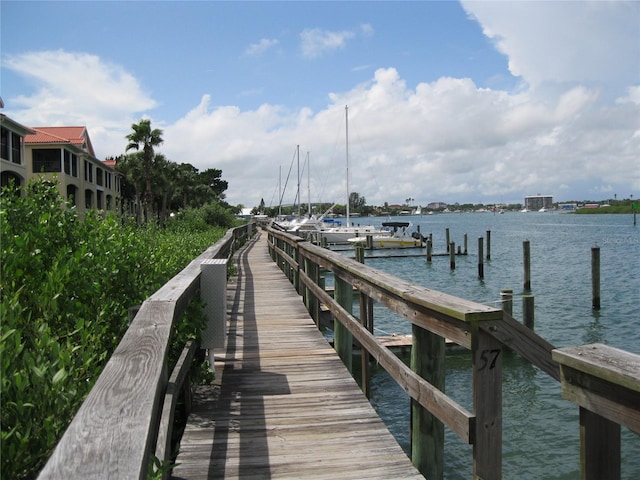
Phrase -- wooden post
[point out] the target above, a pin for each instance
(480, 258)
(595, 277)
(465, 244)
(342, 337)
(429, 247)
(526, 251)
(369, 242)
(452, 255)
(313, 306)
(446, 233)
(599, 447)
(528, 315)
(427, 432)
(366, 305)
(487, 404)
(506, 297)
(488, 244)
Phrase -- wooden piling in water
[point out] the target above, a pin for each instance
(427, 432)
(480, 258)
(447, 240)
(526, 252)
(528, 316)
(488, 244)
(595, 277)
(465, 244)
(506, 297)
(429, 248)
(452, 255)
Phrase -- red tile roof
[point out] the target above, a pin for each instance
(77, 136)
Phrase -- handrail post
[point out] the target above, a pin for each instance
(605, 383)
(487, 404)
(342, 337)
(427, 432)
(313, 305)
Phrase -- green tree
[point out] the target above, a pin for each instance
(147, 138)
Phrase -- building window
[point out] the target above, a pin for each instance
(88, 171)
(72, 193)
(99, 196)
(16, 157)
(46, 160)
(107, 180)
(4, 134)
(88, 198)
(99, 177)
(67, 162)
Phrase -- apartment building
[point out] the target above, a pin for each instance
(63, 153)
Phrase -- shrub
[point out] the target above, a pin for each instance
(66, 283)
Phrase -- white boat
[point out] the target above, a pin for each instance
(396, 236)
(342, 234)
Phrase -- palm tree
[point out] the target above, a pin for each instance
(143, 135)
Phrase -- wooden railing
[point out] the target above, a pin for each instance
(434, 317)
(605, 383)
(117, 429)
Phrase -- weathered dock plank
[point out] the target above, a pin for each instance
(283, 406)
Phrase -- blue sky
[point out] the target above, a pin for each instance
(459, 102)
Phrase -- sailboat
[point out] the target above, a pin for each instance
(342, 234)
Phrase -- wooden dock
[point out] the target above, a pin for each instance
(283, 404)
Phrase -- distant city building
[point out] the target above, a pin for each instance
(538, 202)
(567, 207)
(436, 205)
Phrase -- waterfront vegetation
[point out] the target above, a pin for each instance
(66, 284)
(619, 207)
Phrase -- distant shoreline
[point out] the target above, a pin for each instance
(618, 209)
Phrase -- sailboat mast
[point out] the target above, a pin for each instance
(280, 190)
(346, 114)
(309, 182)
(298, 195)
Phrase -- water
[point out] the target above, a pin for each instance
(540, 430)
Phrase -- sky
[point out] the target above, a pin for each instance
(468, 102)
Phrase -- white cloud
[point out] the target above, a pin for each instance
(446, 140)
(559, 42)
(315, 42)
(79, 89)
(262, 46)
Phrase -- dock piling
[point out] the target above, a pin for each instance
(488, 244)
(506, 297)
(595, 277)
(452, 255)
(526, 251)
(480, 258)
(528, 315)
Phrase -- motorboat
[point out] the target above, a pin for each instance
(395, 236)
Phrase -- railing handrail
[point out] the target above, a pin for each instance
(438, 314)
(113, 434)
(611, 396)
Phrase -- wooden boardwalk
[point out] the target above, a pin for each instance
(283, 406)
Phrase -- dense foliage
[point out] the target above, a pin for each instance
(66, 284)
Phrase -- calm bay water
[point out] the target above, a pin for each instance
(541, 430)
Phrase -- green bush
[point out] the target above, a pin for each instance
(66, 283)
